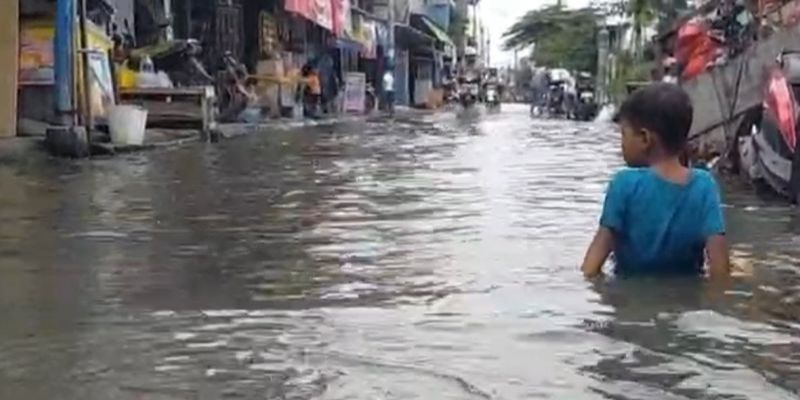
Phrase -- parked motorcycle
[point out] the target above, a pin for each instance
(370, 99)
(765, 149)
(232, 92)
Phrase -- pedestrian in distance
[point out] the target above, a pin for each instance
(659, 217)
(312, 92)
(388, 91)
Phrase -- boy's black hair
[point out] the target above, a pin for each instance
(664, 109)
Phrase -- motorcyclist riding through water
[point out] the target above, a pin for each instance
(585, 106)
(492, 90)
(469, 89)
(540, 82)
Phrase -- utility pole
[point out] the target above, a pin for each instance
(65, 138)
(63, 45)
(390, 25)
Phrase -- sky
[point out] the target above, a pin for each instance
(499, 15)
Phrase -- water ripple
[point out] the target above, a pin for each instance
(422, 258)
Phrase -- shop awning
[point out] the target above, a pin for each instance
(346, 43)
(408, 37)
(424, 23)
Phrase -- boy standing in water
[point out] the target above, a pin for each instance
(659, 217)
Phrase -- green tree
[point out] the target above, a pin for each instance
(561, 37)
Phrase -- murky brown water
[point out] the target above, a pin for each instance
(428, 260)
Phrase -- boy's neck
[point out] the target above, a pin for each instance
(671, 169)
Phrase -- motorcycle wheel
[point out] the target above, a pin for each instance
(369, 103)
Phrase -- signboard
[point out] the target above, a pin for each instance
(36, 54)
(355, 92)
(102, 90)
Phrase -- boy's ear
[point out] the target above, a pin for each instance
(648, 137)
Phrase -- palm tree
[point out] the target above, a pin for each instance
(563, 37)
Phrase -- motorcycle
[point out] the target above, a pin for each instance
(556, 99)
(231, 88)
(765, 148)
(492, 98)
(586, 107)
(469, 94)
(370, 99)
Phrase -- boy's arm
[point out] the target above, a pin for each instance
(611, 221)
(714, 232)
(598, 252)
(719, 263)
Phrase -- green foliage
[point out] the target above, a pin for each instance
(629, 68)
(563, 37)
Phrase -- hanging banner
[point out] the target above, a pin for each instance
(370, 40)
(355, 91)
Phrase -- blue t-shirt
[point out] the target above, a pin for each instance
(661, 226)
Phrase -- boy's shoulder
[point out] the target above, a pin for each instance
(629, 175)
(703, 175)
(628, 181)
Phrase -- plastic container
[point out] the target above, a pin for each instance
(127, 125)
(146, 65)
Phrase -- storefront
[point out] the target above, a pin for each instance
(29, 90)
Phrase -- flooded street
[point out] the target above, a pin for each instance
(428, 259)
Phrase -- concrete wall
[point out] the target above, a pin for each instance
(9, 49)
(417, 6)
(401, 81)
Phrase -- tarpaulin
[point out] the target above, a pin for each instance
(341, 17)
(317, 11)
(323, 13)
(301, 7)
(695, 48)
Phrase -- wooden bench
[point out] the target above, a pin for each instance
(169, 107)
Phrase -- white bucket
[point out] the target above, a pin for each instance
(127, 124)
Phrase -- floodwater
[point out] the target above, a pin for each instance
(426, 259)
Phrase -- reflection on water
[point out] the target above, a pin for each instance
(409, 260)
